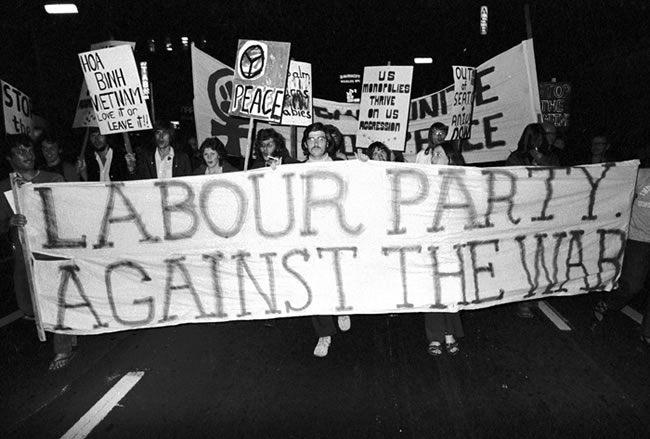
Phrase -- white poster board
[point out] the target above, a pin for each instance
(85, 115)
(260, 78)
(115, 90)
(17, 109)
(384, 108)
(462, 104)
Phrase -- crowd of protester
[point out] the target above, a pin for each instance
(43, 158)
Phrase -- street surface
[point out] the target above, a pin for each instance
(513, 378)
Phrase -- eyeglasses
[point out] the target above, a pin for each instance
(316, 140)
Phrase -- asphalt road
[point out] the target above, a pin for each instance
(513, 378)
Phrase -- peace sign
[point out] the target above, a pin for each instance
(251, 63)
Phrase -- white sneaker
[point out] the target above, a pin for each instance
(344, 323)
(322, 346)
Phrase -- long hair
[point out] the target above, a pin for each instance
(436, 126)
(265, 134)
(452, 149)
(334, 140)
(379, 146)
(166, 126)
(533, 137)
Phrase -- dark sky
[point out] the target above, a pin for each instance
(38, 52)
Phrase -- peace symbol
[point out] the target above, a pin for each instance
(251, 63)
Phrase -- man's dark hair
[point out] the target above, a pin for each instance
(14, 141)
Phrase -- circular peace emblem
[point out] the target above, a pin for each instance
(251, 63)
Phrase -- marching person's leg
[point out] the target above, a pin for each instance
(21, 285)
(325, 329)
(62, 344)
(344, 323)
(453, 331)
(434, 327)
(633, 276)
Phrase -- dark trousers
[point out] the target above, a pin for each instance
(636, 266)
(324, 325)
(63, 343)
(438, 324)
(21, 285)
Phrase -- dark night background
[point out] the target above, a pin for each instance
(601, 47)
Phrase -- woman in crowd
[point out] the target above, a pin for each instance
(379, 151)
(270, 149)
(437, 134)
(213, 152)
(532, 149)
(444, 326)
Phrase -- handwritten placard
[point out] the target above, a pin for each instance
(298, 97)
(555, 100)
(385, 100)
(462, 103)
(115, 90)
(85, 115)
(260, 77)
(17, 109)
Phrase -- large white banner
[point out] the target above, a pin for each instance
(506, 100)
(340, 238)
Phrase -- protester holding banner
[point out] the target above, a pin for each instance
(556, 144)
(599, 149)
(437, 134)
(19, 152)
(52, 150)
(270, 149)
(104, 162)
(379, 151)
(532, 150)
(214, 154)
(444, 326)
(315, 147)
(164, 160)
(634, 275)
(335, 142)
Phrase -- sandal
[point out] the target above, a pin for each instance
(600, 310)
(452, 348)
(60, 361)
(435, 349)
